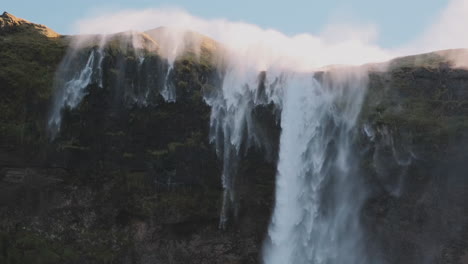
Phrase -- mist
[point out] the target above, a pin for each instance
(263, 48)
(252, 45)
(447, 32)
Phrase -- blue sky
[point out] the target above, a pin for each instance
(398, 21)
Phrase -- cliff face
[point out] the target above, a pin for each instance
(414, 149)
(132, 178)
(124, 180)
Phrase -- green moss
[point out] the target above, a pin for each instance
(429, 60)
(173, 146)
(197, 96)
(128, 155)
(103, 255)
(183, 204)
(182, 84)
(28, 247)
(196, 139)
(138, 182)
(115, 134)
(71, 144)
(425, 119)
(419, 107)
(158, 153)
(70, 254)
(190, 59)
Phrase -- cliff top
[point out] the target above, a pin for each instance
(11, 23)
(191, 38)
(155, 39)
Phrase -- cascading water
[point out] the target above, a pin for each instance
(232, 125)
(74, 76)
(73, 89)
(316, 215)
(168, 92)
(83, 66)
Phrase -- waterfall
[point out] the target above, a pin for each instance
(71, 91)
(316, 214)
(84, 64)
(318, 191)
(168, 92)
(232, 126)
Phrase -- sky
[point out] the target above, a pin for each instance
(396, 22)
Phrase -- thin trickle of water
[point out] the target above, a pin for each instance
(392, 158)
(168, 92)
(73, 90)
(316, 213)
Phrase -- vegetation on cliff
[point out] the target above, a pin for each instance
(414, 132)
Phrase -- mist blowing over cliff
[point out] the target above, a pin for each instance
(313, 81)
(250, 44)
(262, 48)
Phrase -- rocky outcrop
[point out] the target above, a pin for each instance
(10, 23)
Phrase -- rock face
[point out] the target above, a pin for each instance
(123, 181)
(10, 23)
(414, 144)
(131, 182)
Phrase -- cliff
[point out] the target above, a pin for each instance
(122, 182)
(415, 122)
(131, 177)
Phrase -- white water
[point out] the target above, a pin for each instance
(73, 90)
(232, 125)
(168, 92)
(71, 87)
(316, 214)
